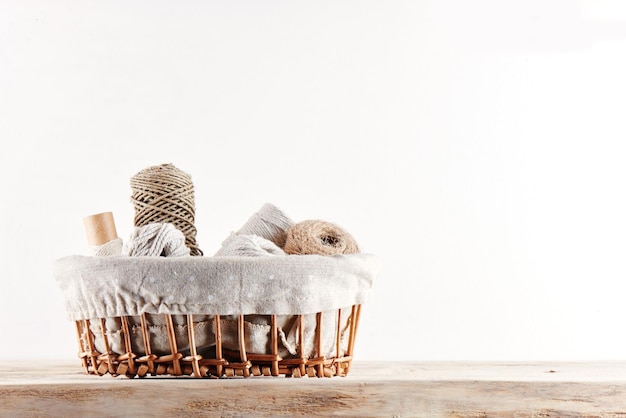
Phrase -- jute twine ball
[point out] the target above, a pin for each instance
(319, 237)
(165, 194)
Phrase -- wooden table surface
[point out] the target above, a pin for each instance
(54, 389)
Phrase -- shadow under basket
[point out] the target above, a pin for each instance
(214, 317)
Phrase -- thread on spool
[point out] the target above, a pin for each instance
(156, 239)
(250, 246)
(165, 194)
(269, 222)
(319, 237)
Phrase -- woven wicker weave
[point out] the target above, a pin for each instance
(139, 359)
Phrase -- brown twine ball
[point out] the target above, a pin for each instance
(163, 193)
(319, 237)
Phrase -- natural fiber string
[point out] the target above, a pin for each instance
(113, 247)
(156, 240)
(165, 194)
(319, 237)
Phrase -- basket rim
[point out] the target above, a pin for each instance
(95, 287)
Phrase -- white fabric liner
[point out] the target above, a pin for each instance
(108, 287)
(100, 287)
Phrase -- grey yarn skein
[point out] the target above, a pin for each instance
(250, 246)
(269, 222)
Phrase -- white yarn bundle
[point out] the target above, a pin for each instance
(156, 239)
(113, 247)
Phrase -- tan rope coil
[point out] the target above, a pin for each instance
(319, 237)
(165, 194)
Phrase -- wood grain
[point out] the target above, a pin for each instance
(371, 390)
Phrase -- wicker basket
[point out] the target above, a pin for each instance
(141, 361)
(209, 343)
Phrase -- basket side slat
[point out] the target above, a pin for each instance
(274, 331)
(93, 354)
(318, 340)
(352, 320)
(171, 334)
(338, 336)
(356, 325)
(300, 322)
(245, 367)
(145, 335)
(128, 346)
(218, 345)
(107, 347)
(192, 347)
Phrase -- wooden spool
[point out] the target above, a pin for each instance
(100, 228)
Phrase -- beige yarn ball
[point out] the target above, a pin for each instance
(319, 237)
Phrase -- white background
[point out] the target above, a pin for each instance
(476, 147)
